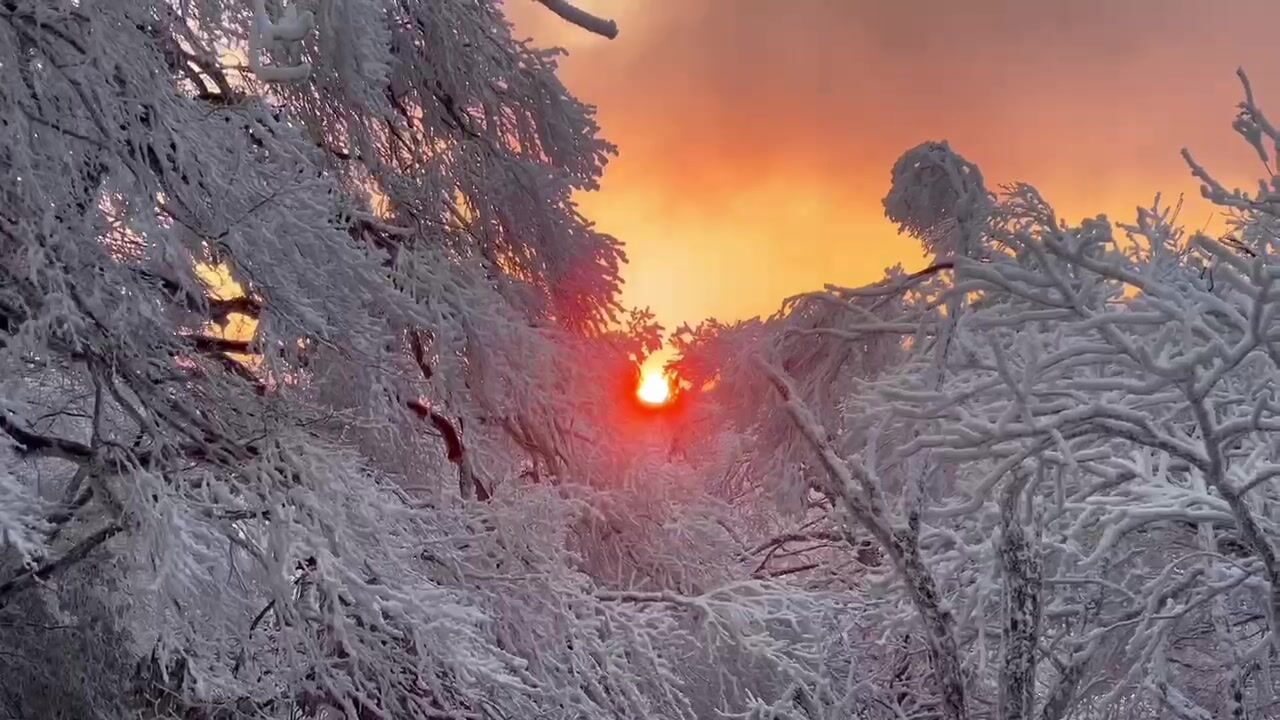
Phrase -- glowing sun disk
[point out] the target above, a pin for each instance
(654, 389)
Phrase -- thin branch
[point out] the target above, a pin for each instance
(582, 18)
(77, 553)
(206, 343)
(455, 451)
(51, 446)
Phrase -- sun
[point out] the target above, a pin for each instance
(654, 389)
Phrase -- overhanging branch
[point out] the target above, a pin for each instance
(77, 553)
(582, 18)
(35, 444)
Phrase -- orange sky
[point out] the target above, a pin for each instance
(757, 136)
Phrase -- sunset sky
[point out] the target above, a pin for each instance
(756, 136)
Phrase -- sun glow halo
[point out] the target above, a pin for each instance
(654, 390)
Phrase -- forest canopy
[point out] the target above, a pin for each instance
(315, 402)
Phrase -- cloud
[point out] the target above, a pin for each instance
(756, 136)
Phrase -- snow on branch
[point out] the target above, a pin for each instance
(291, 28)
(856, 487)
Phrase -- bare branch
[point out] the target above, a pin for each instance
(582, 18)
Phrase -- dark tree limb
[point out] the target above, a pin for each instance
(48, 570)
(1020, 561)
(31, 443)
(468, 483)
(582, 18)
(242, 305)
(206, 343)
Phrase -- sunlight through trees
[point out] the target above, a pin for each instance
(317, 400)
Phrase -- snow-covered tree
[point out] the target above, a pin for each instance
(311, 382)
(1053, 450)
(294, 299)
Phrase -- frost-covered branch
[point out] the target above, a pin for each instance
(48, 570)
(289, 29)
(1071, 431)
(853, 485)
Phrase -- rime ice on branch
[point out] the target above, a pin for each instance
(1073, 427)
(278, 341)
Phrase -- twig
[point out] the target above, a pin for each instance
(582, 18)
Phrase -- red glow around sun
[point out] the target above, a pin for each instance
(654, 389)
